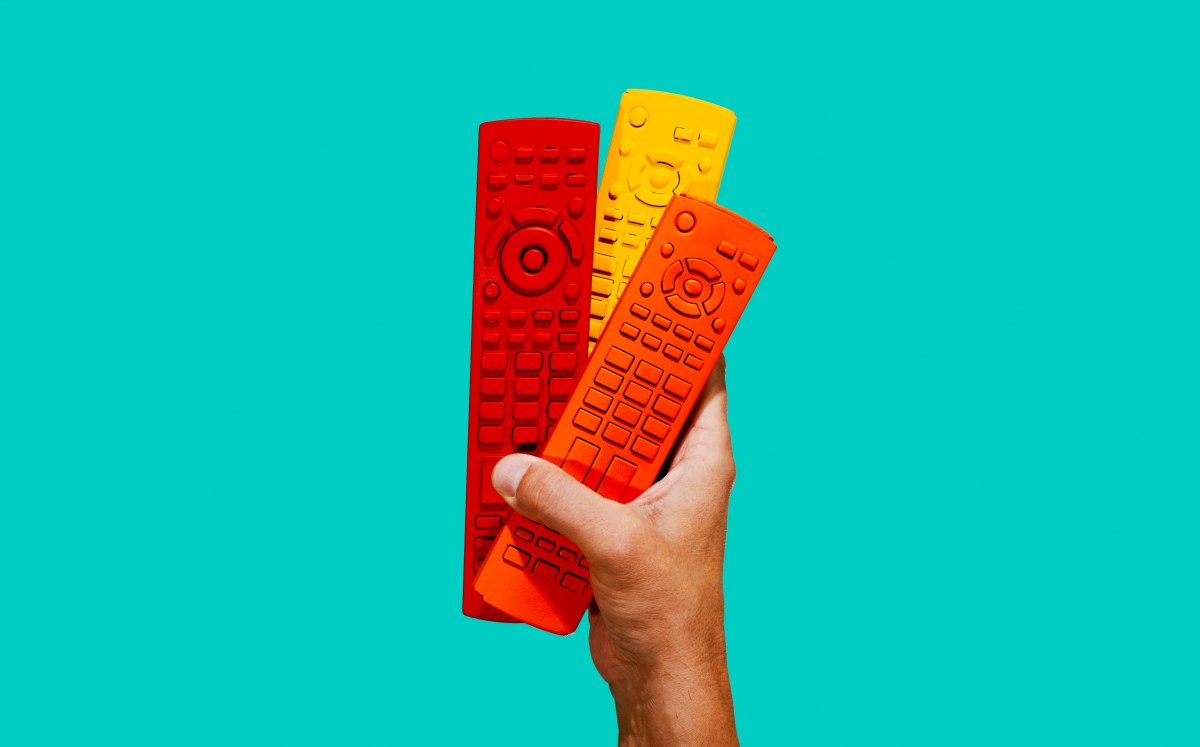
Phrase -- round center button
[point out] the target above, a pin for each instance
(692, 287)
(533, 258)
(685, 221)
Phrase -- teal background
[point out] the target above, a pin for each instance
(235, 248)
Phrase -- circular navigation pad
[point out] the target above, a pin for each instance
(532, 259)
(701, 285)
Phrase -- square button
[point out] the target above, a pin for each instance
(588, 421)
(523, 534)
(677, 387)
(616, 434)
(648, 372)
(666, 407)
(644, 448)
(493, 362)
(529, 361)
(673, 352)
(563, 361)
(693, 362)
(641, 312)
(597, 399)
(545, 544)
(627, 414)
(554, 410)
(630, 331)
(619, 359)
(571, 582)
(525, 411)
(491, 410)
(490, 435)
(491, 386)
(656, 428)
(528, 386)
(544, 569)
(525, 434)
(516, 556)
(561, 387)
(609, 379)
(652, 342)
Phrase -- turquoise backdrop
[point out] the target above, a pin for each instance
(235, 272)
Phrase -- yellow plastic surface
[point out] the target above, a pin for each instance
(663, 144)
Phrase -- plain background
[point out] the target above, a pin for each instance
(235, 257)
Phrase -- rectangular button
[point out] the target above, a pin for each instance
(524, 153)
(656, 428)
(523, 534)
(637, 218)
(749, 261)
(563, 361)
(571, 582)
(554, 410)
(616, 434)
(666, 407)
(644, 448)
(630, 239)
(482, 544)
(599, 308)
(588, 421)
(525, 434)
(601, 286)
(683, 134)
(727, 249)
(608, 235)
(568, 338)
(542, 338)
(560, 387)
(616, 478)
(491, 339)
(567, 554)
(576, 180)
(661, 321)
(638, 393)
(487, 492)
(704, 343)
(677, 387)
(490, 435)
(597, 399)
(497, 180)
(604, 263)
(576, 154)
(528, 386)
(516, 339)
(692, 361)
(550, 180)
(630, 331)
(516, 556)
(546, 544)
(492, 386)
(488, 521)
(608, 379)
(550, 154)
(639, 311)
(651, 341)
(543, 315)
(525, 411)
(491, 410)
(529, 361)
(569, 315)
(491, 317)
(518, 316)
(627, 414)
(612, 213)
(580, 457)
(544, 569)
(708, 139)
(648, 372)
(673, 352)
(619, 358)
(682, 331)
(493, 361)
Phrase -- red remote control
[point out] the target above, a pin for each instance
(534, 216)
(640, 384)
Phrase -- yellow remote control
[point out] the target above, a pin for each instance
(663, 145)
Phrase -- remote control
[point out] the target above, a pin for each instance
(640, 384)
(663, 145)
(535, 202)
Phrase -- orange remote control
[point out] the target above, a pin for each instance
(637, 390)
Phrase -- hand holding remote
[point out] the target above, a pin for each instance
(657, 621)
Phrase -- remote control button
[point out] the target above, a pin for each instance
(546, 544)
(616, 478)
(670, 275)
(612, 213)
(532, 259)
(497, 181)
(703, 268)
(523, 534)
(718, 325)
(683, 332)
(692, 287)
(598, 308)
(516, 339)
(568, 338)
(661, 321)
(619, 359)
(739, 286)
(543, 315)
(576, 154)
(637, 116)
(550, 180)
(608, 235)
(580, 457)
(498, 150)
(644, 448)
(685, 221)
(666, 407)
(494, 205)
(614, 190)
(560, 387)
(554, 410)
(685, 135)
(627, 414)
(482, 544)
(489, 521)
(692, 361)
(708, 139)
(524, 153)
(576, 180)
(667, 249)
(491, 317)
(630, 239)
(567, 554)
(491, 386)
(597, 400)
(528, 386)
(491, 411)
(637, 393)
(616, 434)
(544, 569)
(525, 411)
(704, 343)
(625, 147)
(490, 435)
(651, 341)
(647, 288)
(683, 306)
(648, 372)
(571, 582)
(575, 206)
(571, 238)
(704, 164)
(517, 317)
(571, 291)
(525, 434)
(493, 362)
(608, 379)
(677, 387)
(657, 428)
(516, 556)
(673, 352)
(550, 154)
(539, 215)
(641, 312)
(588, 421)
(523, 178)
(630, 331)
(491, 339)
(491, 291)
(713, 302)
(563, 361)
(748, 260)
(569, 315)
(529, 361)
(727, 249)
(637, 218)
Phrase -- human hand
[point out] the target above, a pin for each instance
(658, 617)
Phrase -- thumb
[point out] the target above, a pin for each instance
(542, 492)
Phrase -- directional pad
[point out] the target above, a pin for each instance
(532, 259)
(659, 179)
(694, 288)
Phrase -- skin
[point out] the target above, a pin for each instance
(658, 618)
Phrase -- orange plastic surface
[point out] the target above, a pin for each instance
(640, 384)
(535, 203)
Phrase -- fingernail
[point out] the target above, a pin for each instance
(507, 476)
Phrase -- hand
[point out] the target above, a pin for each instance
(658, 618)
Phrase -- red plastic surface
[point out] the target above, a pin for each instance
(535, 200)
(640, 384)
